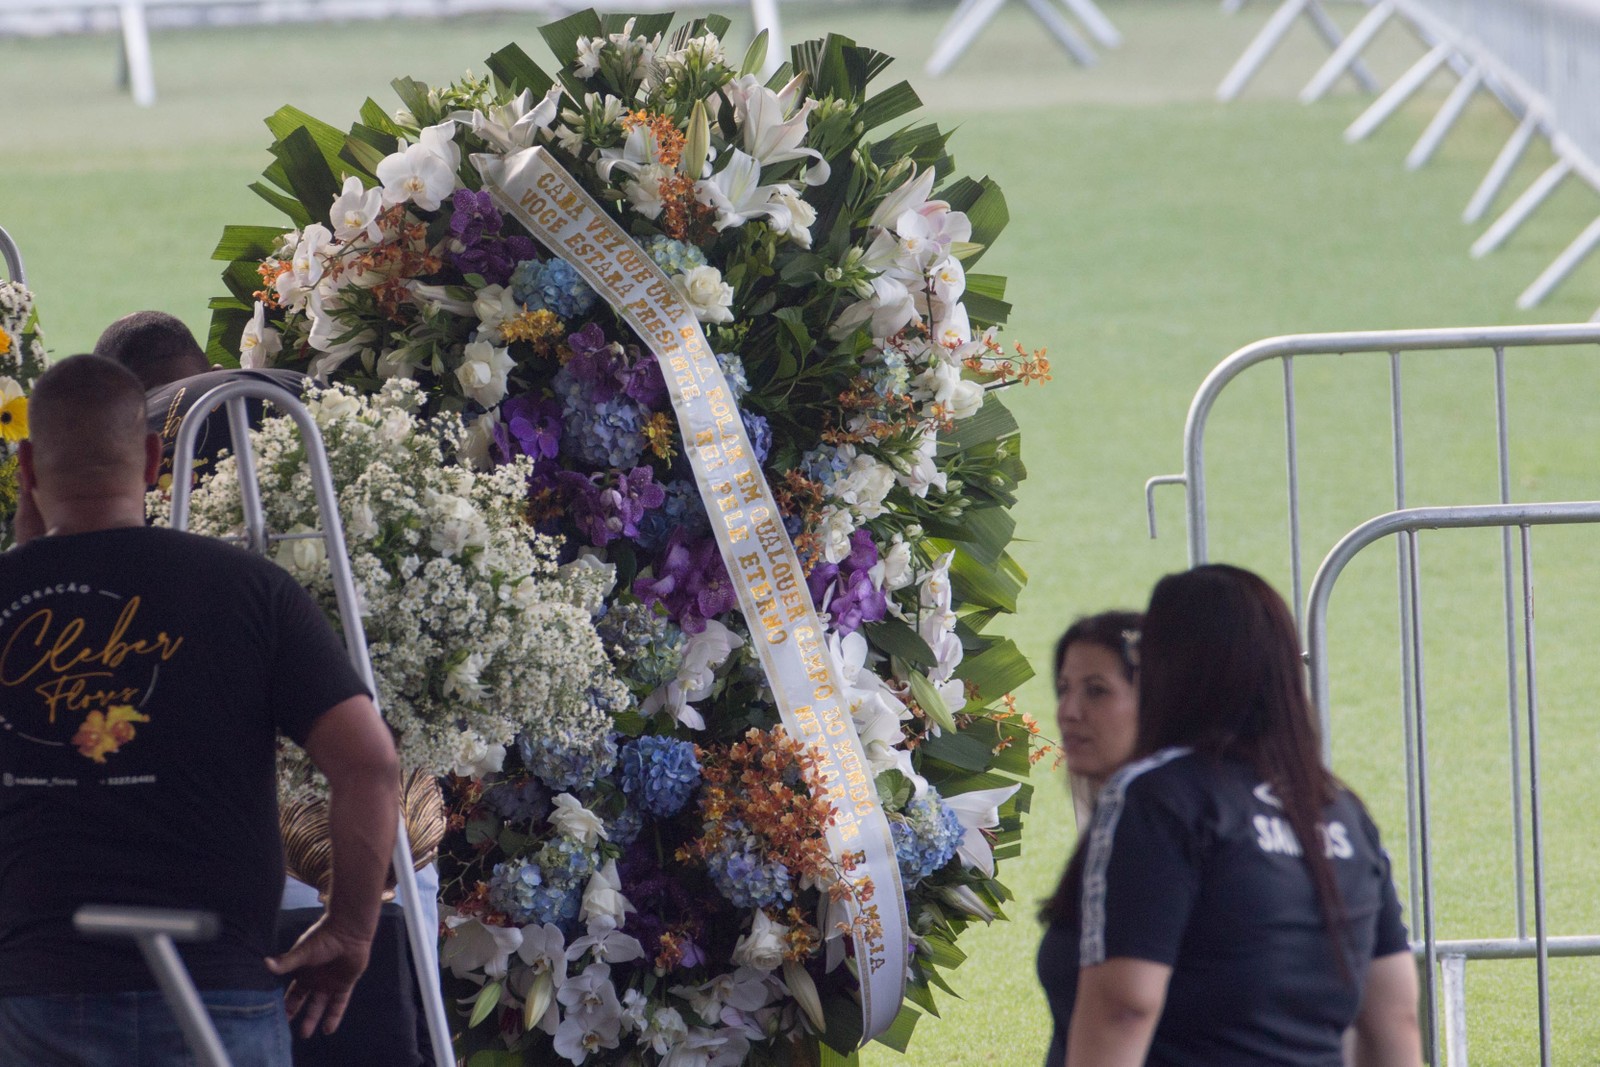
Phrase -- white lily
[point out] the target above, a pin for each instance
(911, 195)
(772, 138)
(606, 944)
(603, 899)
(483, 372)
(518, 122)
(738, 195)
(638, 151)
(979, 810)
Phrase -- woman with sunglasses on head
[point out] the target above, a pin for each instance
(1236, 906)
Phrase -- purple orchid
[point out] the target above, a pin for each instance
(530, 426)
(856, 598)
(690, 581)
(606, 512)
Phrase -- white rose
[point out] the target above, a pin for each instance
(333, 405)
(863, 485)
(304, 557)
(475, 757)
(483, 371)
(363, 524)
(965, 399)
(645, 193)
(763, 947)
(708, 296)
(573, 819)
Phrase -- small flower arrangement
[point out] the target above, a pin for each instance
(675, 889)
(474, 632)
(22, 358)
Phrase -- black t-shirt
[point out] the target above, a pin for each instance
(1191, 864)
(145, 676)
(166, 405)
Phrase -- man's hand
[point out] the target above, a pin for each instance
(325, 963)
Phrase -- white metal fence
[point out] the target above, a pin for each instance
(1541, 58)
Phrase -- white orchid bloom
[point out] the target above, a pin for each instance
(738, 195)
(979, 810)
(472, 946)
(570, 817)
(605, 943)
(354, 214)
(744, 989)
(953, 329)
(423, 173)
(664, 1031)
(697, 674)
(701, 1047)
(259, 342)
(801, 216)
(474, 757)
(544, 950)
(593, 1019)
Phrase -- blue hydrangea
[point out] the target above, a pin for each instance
(625, 829)
(743, 875)
(546, 889)
(552, 284)
(660, 773)
(563, 766)
(926, 836)
(823, 464)
(599, 432)
(524, 800)
(674, 257)
(733, 370)
(649, 646)
(683, 507)
(890, 376)
(760, 434)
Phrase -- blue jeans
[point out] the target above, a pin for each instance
(138, 1029)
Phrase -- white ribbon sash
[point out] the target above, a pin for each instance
(761, 560)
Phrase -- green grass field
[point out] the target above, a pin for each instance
(1153, 232)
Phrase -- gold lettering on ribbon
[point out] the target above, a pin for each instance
(761, 560)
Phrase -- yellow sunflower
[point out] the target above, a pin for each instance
(14, 419)
(5, 341)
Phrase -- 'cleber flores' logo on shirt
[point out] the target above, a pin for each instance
(76, 666)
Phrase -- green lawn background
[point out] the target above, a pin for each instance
(1153, 232)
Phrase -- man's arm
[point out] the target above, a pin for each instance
(1385, 1031)
(351, 745)
(1115, 1014)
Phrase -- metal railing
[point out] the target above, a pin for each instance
(13, 257)
(232, 395)
(1406, 523)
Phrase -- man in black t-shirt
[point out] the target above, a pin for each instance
(145, 676)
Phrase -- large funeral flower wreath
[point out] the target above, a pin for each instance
(671, 889)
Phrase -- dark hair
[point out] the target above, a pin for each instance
(86, 409)
(1118, 631)
(1223, 675)
(157, 347)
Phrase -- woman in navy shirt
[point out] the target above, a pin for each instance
(1236, 907)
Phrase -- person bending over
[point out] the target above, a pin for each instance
(1236, 905)
(145, 676)
(173, 370)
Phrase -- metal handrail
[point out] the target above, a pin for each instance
(13, 257)
(233, 395)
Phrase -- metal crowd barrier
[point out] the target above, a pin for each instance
(1541, 58)
(1446, 956)
(232, 395)
(1454, 954)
